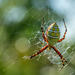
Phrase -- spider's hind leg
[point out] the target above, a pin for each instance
(63, 62)
(41, 50)
(62, 58)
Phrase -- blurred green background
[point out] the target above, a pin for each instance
(20, 35)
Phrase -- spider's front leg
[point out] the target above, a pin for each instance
(43, 31)
(62, 58)
(41, 50)
(64, 33)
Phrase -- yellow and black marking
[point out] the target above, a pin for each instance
(53, 34)
(41, 50)
(64, 33)
(60, 56)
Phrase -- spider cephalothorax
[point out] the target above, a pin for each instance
(51, 38)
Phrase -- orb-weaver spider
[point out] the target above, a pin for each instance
(52, 37)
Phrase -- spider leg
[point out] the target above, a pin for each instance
(62, 58)
(43, 31)
(41, 50)
(64, 33)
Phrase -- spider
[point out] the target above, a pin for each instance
(51, 38)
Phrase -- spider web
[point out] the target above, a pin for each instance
(20, 39)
